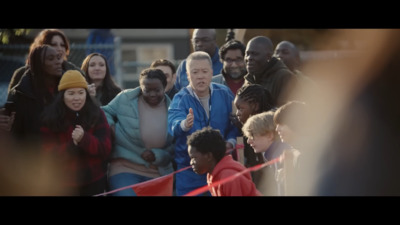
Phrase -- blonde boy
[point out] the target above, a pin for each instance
(262, 137)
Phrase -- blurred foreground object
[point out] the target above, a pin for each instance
(25, 173)
(353, 126)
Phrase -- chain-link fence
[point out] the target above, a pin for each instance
(125, 72)
(13, 57)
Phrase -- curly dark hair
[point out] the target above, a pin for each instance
(208, 140)
(153, 73)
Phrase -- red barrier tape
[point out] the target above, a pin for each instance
(143, 183)
(228, 179)
(204, 188)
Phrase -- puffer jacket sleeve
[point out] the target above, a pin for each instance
(163, 156)
(111, 110)
(176, 115)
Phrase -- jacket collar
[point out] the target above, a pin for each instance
(215, 57)
(192, 93)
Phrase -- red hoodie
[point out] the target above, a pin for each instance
(240, 186)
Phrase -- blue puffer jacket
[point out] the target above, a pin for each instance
(123, 113)
(220, 109)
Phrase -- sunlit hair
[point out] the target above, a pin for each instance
(45, 36)
(198, 55)
(109, 89)
(36, 60)
(260, 124)
(153, 73)
(256, 94)
(36, 63)
(291, 114)
(208, 140)
(163, 62)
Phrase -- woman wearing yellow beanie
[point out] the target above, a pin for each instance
(76, 132)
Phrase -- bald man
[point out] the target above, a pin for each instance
(202, 40)
(265, 69)
(290, 55)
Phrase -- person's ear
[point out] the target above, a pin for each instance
(255, 107)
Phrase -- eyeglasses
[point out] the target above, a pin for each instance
(237, 61)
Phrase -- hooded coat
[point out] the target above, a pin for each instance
(276, 78)
(240, 186)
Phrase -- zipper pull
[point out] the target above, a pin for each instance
(77, 121)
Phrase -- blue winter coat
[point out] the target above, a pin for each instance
(220, 109)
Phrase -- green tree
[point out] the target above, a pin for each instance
(8, 34)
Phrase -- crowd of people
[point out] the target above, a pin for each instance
(188, 118)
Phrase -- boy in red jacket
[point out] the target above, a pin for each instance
(207, 152)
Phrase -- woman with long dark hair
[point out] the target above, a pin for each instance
(97, 72)
(36, 90)
(75, 130)
(55, 38)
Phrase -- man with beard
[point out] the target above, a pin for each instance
(232, 74)
(234, 68)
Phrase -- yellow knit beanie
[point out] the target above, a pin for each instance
(72, 79)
